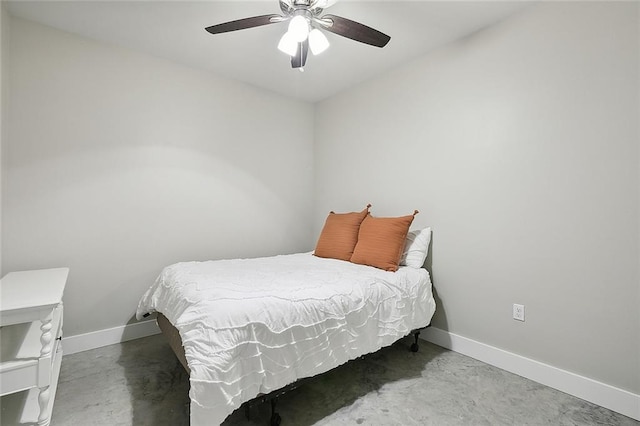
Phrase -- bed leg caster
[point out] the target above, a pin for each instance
(414, 346)
(275, 417)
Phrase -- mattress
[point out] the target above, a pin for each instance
(252, 326)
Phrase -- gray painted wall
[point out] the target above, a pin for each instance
(4, 92)
(519, 145)
(119, 163)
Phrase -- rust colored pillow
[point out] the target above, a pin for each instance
(381, 240)
(340, 234)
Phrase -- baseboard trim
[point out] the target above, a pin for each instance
(599, 393)
(109, 336)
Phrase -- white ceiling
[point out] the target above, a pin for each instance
(175, 30)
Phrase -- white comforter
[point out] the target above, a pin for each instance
(251, 326)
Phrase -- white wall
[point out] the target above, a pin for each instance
(119, 163)
(519, 145)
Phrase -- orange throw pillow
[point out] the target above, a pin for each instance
(381, 241)
(340, 234)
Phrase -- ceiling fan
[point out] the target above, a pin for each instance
(305, 25)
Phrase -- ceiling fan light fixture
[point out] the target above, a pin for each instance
(318, 42)
(288, 44)
(299, 28)
(306, 27)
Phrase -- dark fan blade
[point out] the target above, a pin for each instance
(356, 31)
(241, 24)
(300, 59)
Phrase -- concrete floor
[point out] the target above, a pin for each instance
(141, 383)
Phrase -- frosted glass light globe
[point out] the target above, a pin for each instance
(288, 45)
(299, 28)
(318, 43)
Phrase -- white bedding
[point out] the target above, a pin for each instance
(251, 326)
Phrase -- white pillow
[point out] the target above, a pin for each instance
(416, 248)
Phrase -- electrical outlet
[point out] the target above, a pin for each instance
(518, 312)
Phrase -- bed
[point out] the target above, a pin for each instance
(252, 326)
(249, 327)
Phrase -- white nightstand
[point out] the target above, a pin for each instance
(30, 343)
